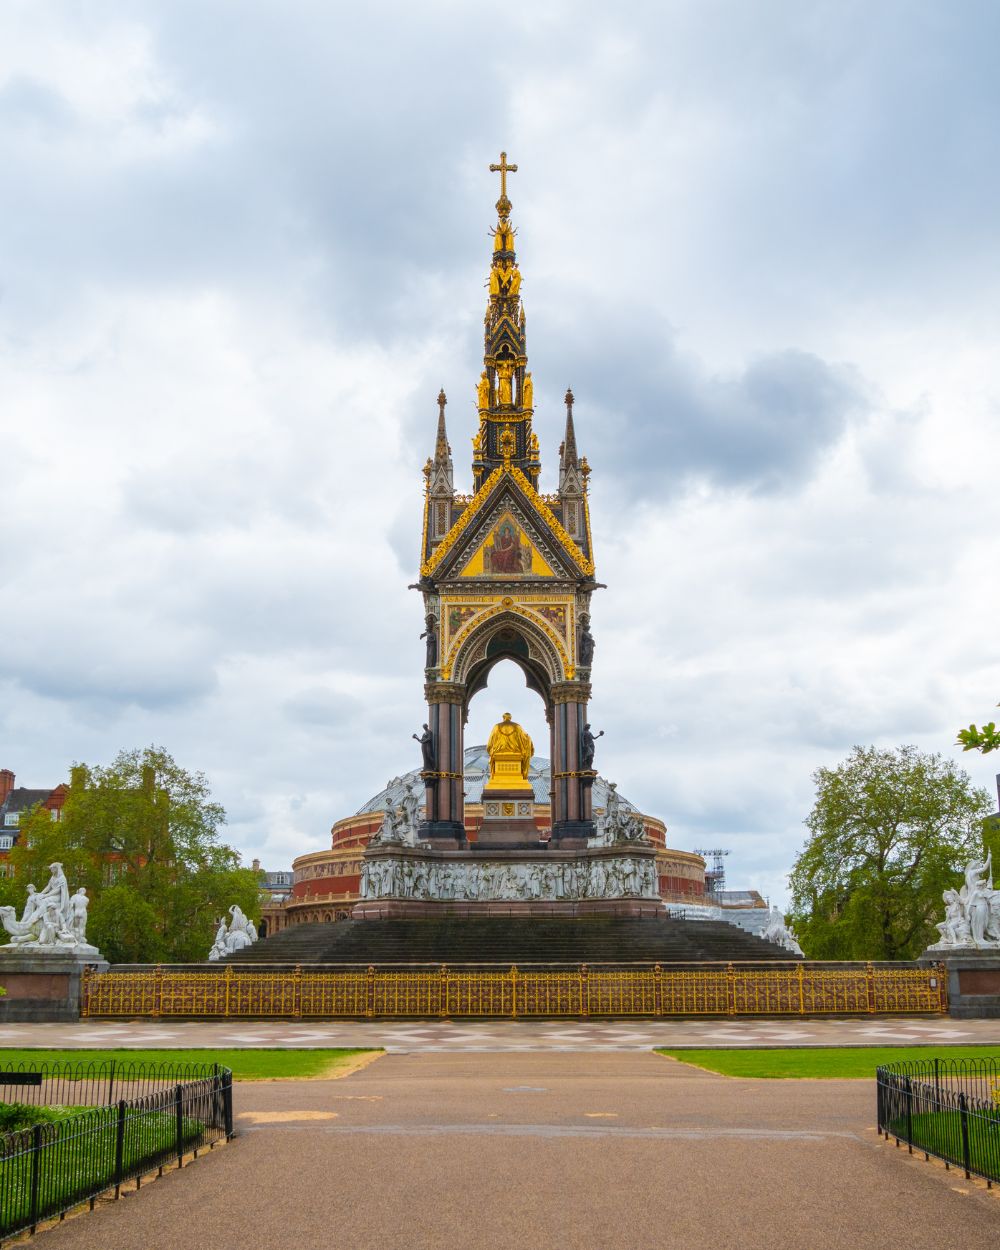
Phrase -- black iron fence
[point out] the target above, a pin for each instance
(105, 1123)
(949, 1108)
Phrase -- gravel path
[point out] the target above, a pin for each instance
(548, 1150)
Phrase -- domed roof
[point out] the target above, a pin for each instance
(477, 771)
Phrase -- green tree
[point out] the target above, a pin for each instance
(145, 832)
(986, 739)
(120, 925)
(889, 832)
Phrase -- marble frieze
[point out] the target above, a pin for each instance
(469, 877)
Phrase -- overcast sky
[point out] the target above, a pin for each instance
(242, 245)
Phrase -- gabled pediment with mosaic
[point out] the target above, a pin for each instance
(507, 551)
(508, 532)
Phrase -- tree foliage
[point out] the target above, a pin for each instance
(889, 832)
(143, 835)
(985, 739)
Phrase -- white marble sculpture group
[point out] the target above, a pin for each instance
(622, 876)
(53, 920)
(972, 913)
(241, 932)
(399, 824)
(616, 825)
(779, 933)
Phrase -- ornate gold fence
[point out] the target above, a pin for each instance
(695, 990)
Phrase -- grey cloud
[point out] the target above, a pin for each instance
(154, 678)
(26, 103)
(659, 420)
(323, 710)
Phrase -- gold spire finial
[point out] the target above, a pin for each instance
(503, 169)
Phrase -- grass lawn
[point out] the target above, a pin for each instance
(15, 1116)
(940, 1133)
(77, 1157)
(247, 1065)
(820, 1062)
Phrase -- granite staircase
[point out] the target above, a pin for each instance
(505, 941)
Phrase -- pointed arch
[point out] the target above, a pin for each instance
(510, 632)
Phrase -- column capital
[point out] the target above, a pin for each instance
(571, 692)
(444, 692)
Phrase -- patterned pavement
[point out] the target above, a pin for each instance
(422, 1036)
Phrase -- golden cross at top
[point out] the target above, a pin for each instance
(503, 169)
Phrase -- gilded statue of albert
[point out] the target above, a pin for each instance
(507, 742)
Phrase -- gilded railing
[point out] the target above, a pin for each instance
(694, 990)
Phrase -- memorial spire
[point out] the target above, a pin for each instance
(505, 393)
(572, 471)
(440, 470)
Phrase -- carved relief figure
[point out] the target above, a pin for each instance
(409, 817)
(954, 929)
(31, 906)
(57, 889)
(78, 905)
(977, 909)
(609, 878)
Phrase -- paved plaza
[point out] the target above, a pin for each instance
(501, 1151)
(417, 1036)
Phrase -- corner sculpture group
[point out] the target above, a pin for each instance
(240, 933)
(52, 920)
(971, 913)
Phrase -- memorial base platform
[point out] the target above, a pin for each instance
(973, 980)
(428, 909)
(42, 985)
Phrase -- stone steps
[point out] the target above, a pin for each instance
(498, 940)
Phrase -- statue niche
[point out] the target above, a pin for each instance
(510, 750)
(505, 383)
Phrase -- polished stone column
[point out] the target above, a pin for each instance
(445, 796)
(572, 815)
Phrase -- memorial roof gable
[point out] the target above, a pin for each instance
(507, 486)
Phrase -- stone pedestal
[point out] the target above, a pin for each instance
(507, 777)
(508, 818)
(973, 980)
(42, 986)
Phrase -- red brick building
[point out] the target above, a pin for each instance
(15, 803)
